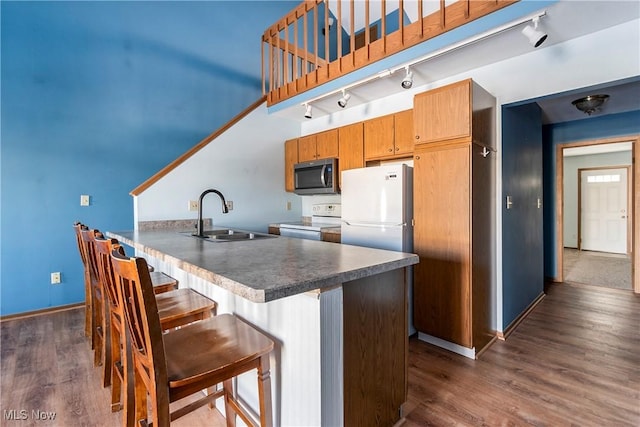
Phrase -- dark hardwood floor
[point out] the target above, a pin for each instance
(46, 367)
(574, 361)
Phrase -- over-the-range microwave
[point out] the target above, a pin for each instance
(316, 177)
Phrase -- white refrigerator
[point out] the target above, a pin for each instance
(377, 212)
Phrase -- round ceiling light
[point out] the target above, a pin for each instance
(590, 104)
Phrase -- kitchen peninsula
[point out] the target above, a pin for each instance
(338, 315)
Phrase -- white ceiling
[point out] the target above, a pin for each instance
(564, 21)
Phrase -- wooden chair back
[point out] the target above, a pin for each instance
(104, 247)
(88, 240)
(145, 331)
(88, 313)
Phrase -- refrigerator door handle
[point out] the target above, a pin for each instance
(378, 225)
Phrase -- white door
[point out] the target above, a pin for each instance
(603, 220)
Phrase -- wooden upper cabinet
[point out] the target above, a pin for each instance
(307, 148)
(351, 147)
(321, 145)
(403, 132)
(290, 159)
(389, 136)
(378, 137)
(327, 144)
(443, 113)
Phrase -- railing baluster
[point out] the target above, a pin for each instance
(383, 27)
(285, 57)
(297, 59)
(306, 42)
(367, 39)
(421, 18)
(315, 36)
(401, 20)
(295, 44)
(352, 47)
(327, 58)
(339, 33)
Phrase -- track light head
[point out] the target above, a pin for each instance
(535, 36)
(342, 102)
(308, 110)
(407, 82)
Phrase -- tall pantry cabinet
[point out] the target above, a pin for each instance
(454, 213)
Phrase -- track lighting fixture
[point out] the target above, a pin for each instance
(407, 82)
(535, 36)
(342, 102)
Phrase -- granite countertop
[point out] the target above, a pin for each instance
(266, 269)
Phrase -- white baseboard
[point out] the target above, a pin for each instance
(463, 351)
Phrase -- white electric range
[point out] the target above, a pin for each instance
(325, 215)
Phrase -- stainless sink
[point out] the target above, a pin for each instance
(229, 235)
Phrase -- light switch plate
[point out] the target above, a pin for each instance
(55, 278)
(84, 200)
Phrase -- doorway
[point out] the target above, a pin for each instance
(566, 241)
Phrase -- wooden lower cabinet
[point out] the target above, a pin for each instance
(453, 211)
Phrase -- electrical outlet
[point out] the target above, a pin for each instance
(288, 205)
(193, 205)
(55, 278)
(229, 205)
(84, 200)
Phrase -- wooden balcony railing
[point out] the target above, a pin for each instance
(321, 40)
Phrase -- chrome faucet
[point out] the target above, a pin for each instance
(200, 224)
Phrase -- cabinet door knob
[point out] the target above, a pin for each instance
(397, 148)
(417, 136)
(390, 149)
(417, 157)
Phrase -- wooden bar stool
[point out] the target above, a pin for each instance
(99, 316)
(175, 308)
(182, 362)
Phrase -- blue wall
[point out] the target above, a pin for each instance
(97, 97)
(522, 224)
(579, 130)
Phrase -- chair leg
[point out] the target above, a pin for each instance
(230, 412)
(116, 358)
(140, 398)
(106, 348)
(98, 341)
(128, 396)
(88, 311)
(264, 392)
(93, 318)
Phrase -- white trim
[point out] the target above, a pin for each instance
(463, 351)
